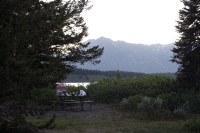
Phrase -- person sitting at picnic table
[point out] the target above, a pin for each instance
(82, 93)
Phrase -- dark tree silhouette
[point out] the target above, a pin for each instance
(40, 43)
(187, 50)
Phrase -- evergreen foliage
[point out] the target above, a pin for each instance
(187, 50)
(85, 75)
(123, 74)
(40, 43)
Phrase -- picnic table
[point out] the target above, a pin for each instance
(70, 101)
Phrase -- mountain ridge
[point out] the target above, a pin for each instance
(123, 56)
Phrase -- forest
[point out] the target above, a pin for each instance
(85, 75)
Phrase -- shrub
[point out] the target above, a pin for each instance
(133, 101)
(130, 103)
(170, 100)
(109, 91)
(151, 107)
(157, 103)
(114, 90)
(124, 105)
(193, 125)
(145, 105)
(179, 113)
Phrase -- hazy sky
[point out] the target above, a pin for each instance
(135, 21)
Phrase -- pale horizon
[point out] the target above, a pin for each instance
(133, 21)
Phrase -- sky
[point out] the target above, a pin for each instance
(134, 21)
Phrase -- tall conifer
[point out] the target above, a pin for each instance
(187, 47)
(40, 42)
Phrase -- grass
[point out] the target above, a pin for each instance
(110, 120)
(122, 125)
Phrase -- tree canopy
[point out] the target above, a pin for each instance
(40, 42)
(187, 50)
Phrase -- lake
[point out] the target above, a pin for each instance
(85, 84)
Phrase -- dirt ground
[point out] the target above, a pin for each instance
(103, 118)
(97, 111)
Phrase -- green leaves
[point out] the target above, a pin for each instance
(114, 90)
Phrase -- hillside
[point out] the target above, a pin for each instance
(123, 56)
(84, 75)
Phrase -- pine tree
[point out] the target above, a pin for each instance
(187, 50)
(40, 42)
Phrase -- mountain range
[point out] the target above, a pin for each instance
(123, 56)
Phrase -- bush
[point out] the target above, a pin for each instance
(179, 113)
(193, 125)
(157, 103)
(124, 105)
(171, 100)
(145, 105)
(141, 103)
(152, 108)
(109, 91)
(131, 103)
(114, 90)
(134, 100)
